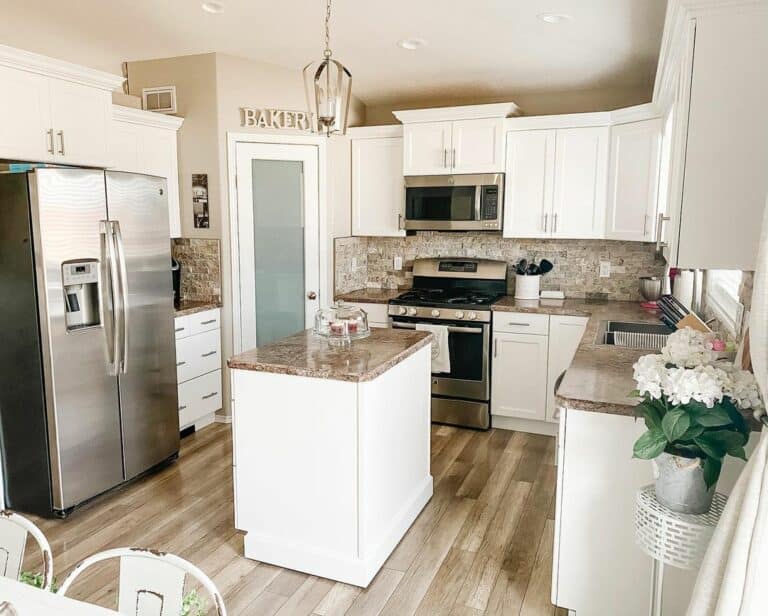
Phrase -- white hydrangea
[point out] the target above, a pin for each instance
(703, 384)
(649, 371)
(741, 387)
(688, 348)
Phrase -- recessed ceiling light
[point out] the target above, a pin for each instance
(213, 7)
(412, 43)
(555, 18)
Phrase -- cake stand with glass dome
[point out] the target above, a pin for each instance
(341, 324)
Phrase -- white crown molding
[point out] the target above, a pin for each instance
(59, 69)
(638, 113)
(465, 112)
(372, 132)
(132, 115)
(565, 120)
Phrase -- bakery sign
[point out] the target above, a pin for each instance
(274, 118)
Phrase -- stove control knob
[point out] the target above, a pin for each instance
(401, 310)
(412, 311)
(472, 316)
(459, 314)
(435, 313)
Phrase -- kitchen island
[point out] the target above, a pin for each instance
(331, 450)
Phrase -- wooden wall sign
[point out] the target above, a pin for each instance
(274, 118)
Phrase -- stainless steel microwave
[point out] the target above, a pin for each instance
(454, 202)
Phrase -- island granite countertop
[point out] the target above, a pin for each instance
(600, 376)
(305, 354)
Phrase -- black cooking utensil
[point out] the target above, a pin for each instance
(545, 267)
(522, 264)
(533, 270)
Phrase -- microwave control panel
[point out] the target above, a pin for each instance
(489, 207)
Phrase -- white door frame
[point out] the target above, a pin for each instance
(233, 138)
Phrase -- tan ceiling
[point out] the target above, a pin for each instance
(490, 48)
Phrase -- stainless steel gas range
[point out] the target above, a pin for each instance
(456, 293)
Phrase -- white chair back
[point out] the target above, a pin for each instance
(13, 540)
(151, 582)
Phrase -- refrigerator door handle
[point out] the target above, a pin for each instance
(110, 267)
(123, 297)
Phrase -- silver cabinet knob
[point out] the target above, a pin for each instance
(311, 295)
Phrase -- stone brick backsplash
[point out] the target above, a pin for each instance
(200, 261)
(576, 271)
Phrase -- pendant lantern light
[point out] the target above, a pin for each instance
(328, 85)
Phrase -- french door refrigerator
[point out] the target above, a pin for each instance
(87, 355)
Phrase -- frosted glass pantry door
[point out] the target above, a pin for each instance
(279, 265)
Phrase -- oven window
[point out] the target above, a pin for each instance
(440, 203)
(466, 356)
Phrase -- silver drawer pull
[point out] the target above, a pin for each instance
(520, 324)
(180, 363)
(210, 395)
(208, 322)
(209, 353)
(182, 407)
(180, 329)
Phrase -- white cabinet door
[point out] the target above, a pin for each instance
(565, 334)
(125, 147)
(81, 117)
(581, 165)
(426, 148)
(378, 191)
(519, 382)
(25, 119)
(633, 180)
(160, 157)
(529, 183)
(478, 146)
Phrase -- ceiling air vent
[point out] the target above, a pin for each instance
(161, 99)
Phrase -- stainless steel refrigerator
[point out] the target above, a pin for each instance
(88, 394)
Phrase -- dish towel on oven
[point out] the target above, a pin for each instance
(441, 356)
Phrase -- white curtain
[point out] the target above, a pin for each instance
(733, 579)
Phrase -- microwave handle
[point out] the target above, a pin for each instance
(478, 202)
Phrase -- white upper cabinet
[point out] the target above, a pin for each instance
(633, 180)
(477, 146)
(146, 142)
(581, 164)
(25, 116)
(53, 111)
(530, 176)
(378, 191)
(427, 148)
(556, 182)
(80, 116)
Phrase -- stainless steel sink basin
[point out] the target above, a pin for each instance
(651, 336)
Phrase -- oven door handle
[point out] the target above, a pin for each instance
(451, 329)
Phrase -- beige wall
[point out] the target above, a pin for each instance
(532, 103)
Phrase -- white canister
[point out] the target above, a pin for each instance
(527, 287)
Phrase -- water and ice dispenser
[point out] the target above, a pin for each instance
(81, 293)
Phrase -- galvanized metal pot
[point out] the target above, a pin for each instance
(680, 484)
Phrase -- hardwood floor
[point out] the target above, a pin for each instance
(481, 546)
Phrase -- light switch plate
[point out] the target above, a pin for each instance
(398, 263)
(605, 269)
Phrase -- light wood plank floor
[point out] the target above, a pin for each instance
(482, 545)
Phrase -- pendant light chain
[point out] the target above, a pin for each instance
(327, 52)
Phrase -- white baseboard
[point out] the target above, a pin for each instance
(524, 425)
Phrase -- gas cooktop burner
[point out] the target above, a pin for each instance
(438, 297)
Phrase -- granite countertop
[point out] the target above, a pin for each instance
(600, 376)
(192, 306)
(370, 296)
(305, 354)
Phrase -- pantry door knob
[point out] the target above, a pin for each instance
(311, 295)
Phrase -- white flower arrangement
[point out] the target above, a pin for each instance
(692, 403)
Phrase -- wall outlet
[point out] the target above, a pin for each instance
(605, 269)
(398, 262)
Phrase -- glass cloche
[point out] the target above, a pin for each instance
(341, 323)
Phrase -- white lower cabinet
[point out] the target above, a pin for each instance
(519, 375)
(565, 334)
(377, 314)
(198, 366)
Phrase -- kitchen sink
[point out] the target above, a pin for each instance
(651, 336)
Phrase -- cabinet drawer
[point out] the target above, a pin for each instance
(181, 326)
(197, 355)
(199, 397)
(204, 321)
(521, 323)
(377, 313)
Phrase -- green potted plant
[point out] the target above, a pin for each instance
(692, 407)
